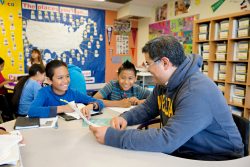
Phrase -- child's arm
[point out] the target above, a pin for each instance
(113, 103)
(4, 82)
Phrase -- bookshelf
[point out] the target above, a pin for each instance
(224, 44)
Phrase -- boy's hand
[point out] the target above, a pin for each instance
(125, 103)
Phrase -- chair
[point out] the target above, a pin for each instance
(1, 119)
(7, 113)
(244, 126)
(145, 125)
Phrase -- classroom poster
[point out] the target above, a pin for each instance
(72, 34)
(11, 36)
(181, 29)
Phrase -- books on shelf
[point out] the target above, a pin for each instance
(221, 86)
(237, 94)
(243, 27)
(221, 51)
(223, 29)
(226, 52)
(241, 50)
(236, 110)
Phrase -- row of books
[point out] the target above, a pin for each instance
(240, 51)
(240, 29)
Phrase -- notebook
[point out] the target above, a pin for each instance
(26, 123)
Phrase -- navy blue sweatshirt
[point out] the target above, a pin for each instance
(195, 116)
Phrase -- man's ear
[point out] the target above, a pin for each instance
(166, 63)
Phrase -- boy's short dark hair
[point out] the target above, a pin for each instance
(127, 65)
(50, 67)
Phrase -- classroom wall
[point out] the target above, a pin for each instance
(111, 66)
(14, 63)
(201, 7)
(11, 46)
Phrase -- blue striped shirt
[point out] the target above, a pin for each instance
(112, 91)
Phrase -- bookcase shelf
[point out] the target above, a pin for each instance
(224, 44)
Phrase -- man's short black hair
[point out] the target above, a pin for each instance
(165, 46)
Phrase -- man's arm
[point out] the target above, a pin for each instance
(187, 122)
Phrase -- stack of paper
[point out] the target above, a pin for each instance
(48, 122)
(26, 122)
(9, 152)
(121, 109)
(74, 106)
(80, 106)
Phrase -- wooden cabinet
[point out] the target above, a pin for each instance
(224, 44)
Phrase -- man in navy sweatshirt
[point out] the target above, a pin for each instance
(196, 119)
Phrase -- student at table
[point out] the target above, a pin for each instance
(195, 117)
(3, 80)
(27, 88)
(48, 102)
(77, 80)
(123, 92)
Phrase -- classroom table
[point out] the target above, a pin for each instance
(72, 145)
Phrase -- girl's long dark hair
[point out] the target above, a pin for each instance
(35, 50)
(19, 87)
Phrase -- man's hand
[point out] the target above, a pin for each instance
(99, 133)
(118, 123)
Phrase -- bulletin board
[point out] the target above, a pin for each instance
(10, 36)
(181, 29)
(72, 34)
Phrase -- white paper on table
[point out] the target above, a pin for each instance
(72, 104)
(76, 115)
(73, 114)
(120, 109)
(9, 153)
(48, 122)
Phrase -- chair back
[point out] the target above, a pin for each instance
(7, 114)
(146, 124)
(244, 126)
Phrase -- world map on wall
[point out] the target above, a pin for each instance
(63, 33)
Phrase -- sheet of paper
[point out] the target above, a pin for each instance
(48, 122)
(9, 152)
(98, 121)
(72, 104)
(73, 114)
(120, 109)
(80, 106)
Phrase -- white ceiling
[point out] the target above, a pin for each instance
(105, 5)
